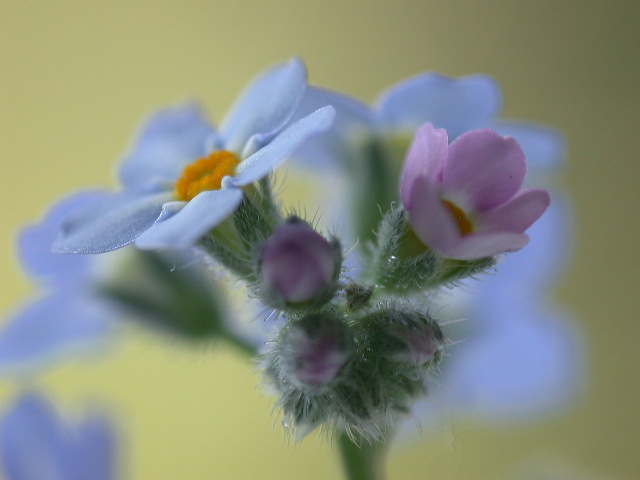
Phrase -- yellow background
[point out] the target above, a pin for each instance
(77, 77)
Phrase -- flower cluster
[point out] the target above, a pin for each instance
(436, 195)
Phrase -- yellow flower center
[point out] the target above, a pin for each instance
(464, 224)
(206, 174)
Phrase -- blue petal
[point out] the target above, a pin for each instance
(111, 224)
(332, 148)
(56, 325)
(538, 267)
(265, 160)
(530, 365)
(29, 435)
(170, 140)
(91, 454)
(35, 243)
(458, 105)
(544, 147)
(186, 227)
(265, 107)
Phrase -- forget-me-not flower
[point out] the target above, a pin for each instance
(83, 297)
(457, 105)
(183, 177)
(517, 355)
(465, 200)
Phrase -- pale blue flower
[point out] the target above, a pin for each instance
(75, 314)
(258, 132)
(36, 443)
(66, 316)
(518, 355)
(457, 105)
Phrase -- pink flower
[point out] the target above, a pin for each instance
(465, 200)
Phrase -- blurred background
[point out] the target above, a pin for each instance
(76, 78)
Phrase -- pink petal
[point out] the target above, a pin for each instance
(517, 214)
(430, 219)
(427, 155)
(484, 168)
(479, 245)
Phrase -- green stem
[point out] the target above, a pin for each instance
(364, 461)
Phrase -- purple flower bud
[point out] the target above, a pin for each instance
(422, 344)
(465, 200)
(314, 350)
(298, 265)
(411, 338)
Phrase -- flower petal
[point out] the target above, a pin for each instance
(35, 243)
(544, 147)
(186, 227)
(519, 213)
(170, 140)
(529, 365)
(265, 160)
(111, 224)
(53, 326)
(265, 106)
(483, 170)
(333, 148)
(29, 436)
(457, 105)
(426, 158)
(537, 268)
(91, 455)
(480, 245)
(430, 219)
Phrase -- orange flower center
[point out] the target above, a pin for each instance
(206, 174)
(464, 224)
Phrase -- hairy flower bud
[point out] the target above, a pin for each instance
(297, 266)
(412, 339)
(312, 351)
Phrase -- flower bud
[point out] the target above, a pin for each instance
(409, 338)
(298, 266)
(314, 350)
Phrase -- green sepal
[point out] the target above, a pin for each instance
(401, 263)
(233, 242)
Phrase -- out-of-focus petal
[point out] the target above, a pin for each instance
(484, 169)
(29, 436)
(265, 160)
(457, 105)
(265, 106)
(537, 268)
(111, 224)
(91, 455)
(332, 148)
(170, 140)
(529, 365)
(35, 243)
(56, 325)
(186, 227)
(519, 213)
(426, 157)
(544, 147)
